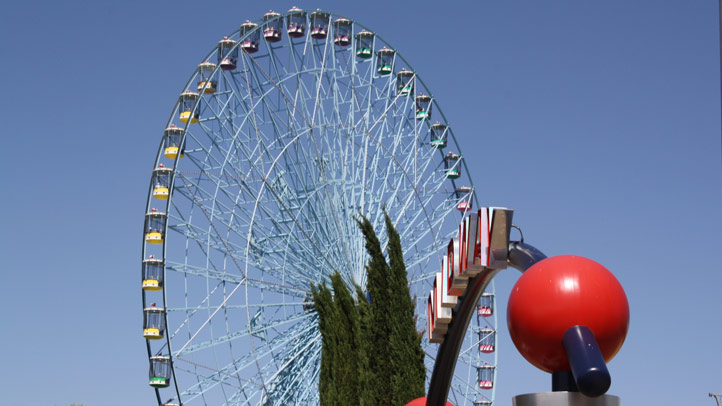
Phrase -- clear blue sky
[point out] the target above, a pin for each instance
(598, 122)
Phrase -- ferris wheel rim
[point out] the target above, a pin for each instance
(188, 124)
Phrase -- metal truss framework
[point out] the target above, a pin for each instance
(290, 148)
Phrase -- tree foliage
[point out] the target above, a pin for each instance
(371, 352)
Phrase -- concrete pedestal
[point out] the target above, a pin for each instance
(563, 399)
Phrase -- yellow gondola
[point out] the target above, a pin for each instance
(172, 141)
(161, 182)
(188, 109)
(155, 227)
(206, 83)
(153, 322)
(152, 274)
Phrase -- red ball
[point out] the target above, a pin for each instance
(558, 293)
(422, 402)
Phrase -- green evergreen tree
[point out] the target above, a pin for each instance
(324, 305)
(378, 383)
(345, 368)
(407, 357)
(371, 352)
(366, 395)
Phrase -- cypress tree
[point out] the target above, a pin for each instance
(407, 357)
(346, 348)
(364, 313)
(378, 383)
(323, 302)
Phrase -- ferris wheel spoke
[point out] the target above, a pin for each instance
(189, 349)
(232, 371)
(289, 374)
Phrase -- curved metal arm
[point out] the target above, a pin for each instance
(520, 256)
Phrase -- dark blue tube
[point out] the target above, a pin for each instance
(586, 361)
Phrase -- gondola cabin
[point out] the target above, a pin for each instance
(365, 44)
(405, 82)
(319, 24)
(272, 26)
(161, 182)
(486, 305)
(438, 135)
(485, 375)
(462, 190)
(172, 137)
(296, 22)
(153, 322)
(250, 37)
(152, 274)
(206, 83)
(159, 371)
(342, 29)
(452, 166)
(227, 54)
(463, 206)
(487, 340)
(482, 402)
(155, 227)
(188, 109)
(423, 107)
(385, 61)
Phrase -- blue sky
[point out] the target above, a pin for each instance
(598, 122)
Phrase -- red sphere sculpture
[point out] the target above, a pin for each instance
(422, 402)
(561, 292)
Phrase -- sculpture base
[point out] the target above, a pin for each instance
(563, 399)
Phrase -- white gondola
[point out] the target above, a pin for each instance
(485, 375)
(365, 44)
(423, 107)
(405, 82)
(438, 135)
(249, 44)
(319, 24)
(160, 371)
(452, 166)
(227, 54)
(486, 305)
(296, 22)
(385, 61)
(487, 340)
(342, 29)
(272, 26)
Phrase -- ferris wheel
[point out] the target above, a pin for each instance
(288, 130)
